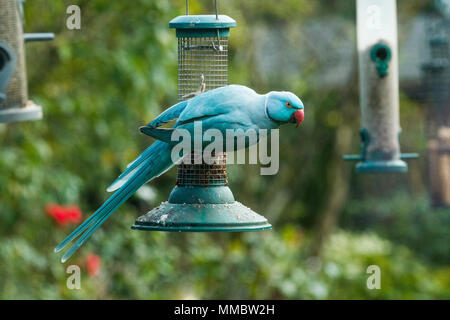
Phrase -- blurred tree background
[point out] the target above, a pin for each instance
(97, 85)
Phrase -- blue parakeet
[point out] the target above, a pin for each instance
(229, 107)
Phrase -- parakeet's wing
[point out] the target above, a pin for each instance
(222, 105)
(216, 102)
(168, 115)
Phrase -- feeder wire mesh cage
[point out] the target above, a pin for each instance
(201, 61)
(203, 175)
(202, 66)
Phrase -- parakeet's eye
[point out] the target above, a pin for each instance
(288, 105)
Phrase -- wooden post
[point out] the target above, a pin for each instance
(439, 168)
(437, 90)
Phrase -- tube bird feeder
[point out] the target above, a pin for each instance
(201, 200)
(14, 103)
(436, 82)
(379, 93)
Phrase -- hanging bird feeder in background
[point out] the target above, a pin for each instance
(201, 199)
(436, 81)
(14, 103)
(379, 94)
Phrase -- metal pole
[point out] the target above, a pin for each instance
(29, 37)
(217, 10)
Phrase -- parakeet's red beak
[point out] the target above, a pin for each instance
(299, 115)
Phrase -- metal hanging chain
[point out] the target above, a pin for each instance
(217, 9)
(187, 8)
(217, 47)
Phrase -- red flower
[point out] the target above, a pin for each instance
(93, 262)
(64, 215)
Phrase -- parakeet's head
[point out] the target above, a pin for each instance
(284, 106)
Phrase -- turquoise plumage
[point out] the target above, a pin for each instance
(229, 107)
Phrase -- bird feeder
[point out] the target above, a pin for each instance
(14, 103)
(436, 83)
(201, 199)
(379, 94)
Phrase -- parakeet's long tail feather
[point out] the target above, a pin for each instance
(168, 115)
(155, 164)
(134, 166)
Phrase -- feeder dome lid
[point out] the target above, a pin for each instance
(202, 22)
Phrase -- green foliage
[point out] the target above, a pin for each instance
(406, 221)
(269, 265)
(97, 85)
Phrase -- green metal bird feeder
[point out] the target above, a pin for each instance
(379, 95)
(14, 103)
(201, 200)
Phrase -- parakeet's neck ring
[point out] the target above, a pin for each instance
(267, 112)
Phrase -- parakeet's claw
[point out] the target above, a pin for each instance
(190, 95)
(199, 91)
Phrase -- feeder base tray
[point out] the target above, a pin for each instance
(386, 166)
(226, 217)
(28, 113)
